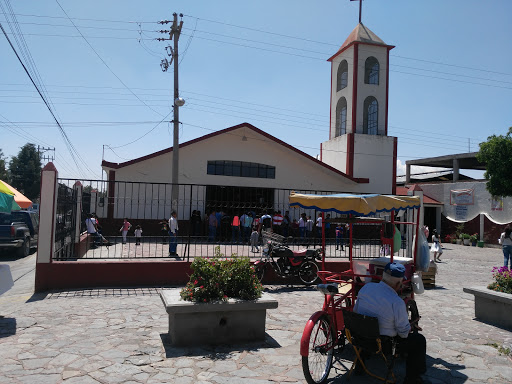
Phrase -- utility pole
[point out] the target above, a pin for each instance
(41, 150)
(174, 34)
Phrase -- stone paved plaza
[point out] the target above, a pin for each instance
(119, 335)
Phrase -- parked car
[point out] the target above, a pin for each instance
(19, 231)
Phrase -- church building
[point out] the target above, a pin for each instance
(359, 156)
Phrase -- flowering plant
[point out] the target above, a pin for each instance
(218, 279)
(503, 280)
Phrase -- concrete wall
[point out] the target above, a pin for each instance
(373, 159)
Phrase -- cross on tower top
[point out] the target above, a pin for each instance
(360, 8)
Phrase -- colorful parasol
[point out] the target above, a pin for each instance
(22, 202)
(362, 205)
(7, 203)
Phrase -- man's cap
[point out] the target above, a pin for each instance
(395, 269)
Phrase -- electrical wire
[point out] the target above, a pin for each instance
(103, 61)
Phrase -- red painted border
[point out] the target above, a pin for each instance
(395, 155)
(387, 95)
(357, 42)
(96, 274)
(228, 130)
(354, 86)
(330, 104)
(350, 154)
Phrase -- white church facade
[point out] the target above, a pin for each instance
(359, 157)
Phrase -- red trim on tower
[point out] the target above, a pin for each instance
(387, 93)
(111, 193)
(354, 86)
(350, 154)
(330, 106)
(393, 182)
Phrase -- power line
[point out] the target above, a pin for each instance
(68, 143)
(103, 61)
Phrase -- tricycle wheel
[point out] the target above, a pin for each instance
(308, 272)
(317, 364)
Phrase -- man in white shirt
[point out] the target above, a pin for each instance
(173, 234)
(92, 229)
(381, 300)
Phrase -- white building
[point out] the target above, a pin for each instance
(359, 157)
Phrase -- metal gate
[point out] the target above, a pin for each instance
(65, 229)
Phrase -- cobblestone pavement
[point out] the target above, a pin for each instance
(119, 335)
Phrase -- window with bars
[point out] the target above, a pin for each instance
(240, 169)
(342, 75)
(341, 117)
(371, 71)
(371, 116)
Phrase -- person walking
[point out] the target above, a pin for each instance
(254, 240)
(173, 234)
(125, 228)
(506, 244)
(436, 248)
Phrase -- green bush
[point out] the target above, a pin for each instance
(218, 279)
(465, 236)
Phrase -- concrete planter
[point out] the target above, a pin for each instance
(492, 307)
(229, 322)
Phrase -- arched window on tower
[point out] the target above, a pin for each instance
(371, 71)
(341, 117)
(342, 75)
(371, 116)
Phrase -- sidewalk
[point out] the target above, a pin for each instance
(119, 335)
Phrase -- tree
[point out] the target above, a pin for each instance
(3, 171)
(496, 153)
(25, 171)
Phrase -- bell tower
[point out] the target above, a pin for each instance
(358, 143)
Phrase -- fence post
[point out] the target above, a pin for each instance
(46, 238)
(79, 188)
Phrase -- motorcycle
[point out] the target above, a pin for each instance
(285, 262)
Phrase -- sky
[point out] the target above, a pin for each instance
(263, 62)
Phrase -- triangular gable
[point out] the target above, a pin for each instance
(229, 130)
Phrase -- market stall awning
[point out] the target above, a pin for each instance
(23, 201)
(362, 205)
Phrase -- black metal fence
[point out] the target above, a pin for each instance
(149, 206)
(65, 229)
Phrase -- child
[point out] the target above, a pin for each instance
(254, 240)
(138, 234)
(436, 248)
(125, 228)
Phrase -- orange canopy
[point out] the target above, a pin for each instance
(19, 197)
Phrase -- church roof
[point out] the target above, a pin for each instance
(361, 34)
(112, 165)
